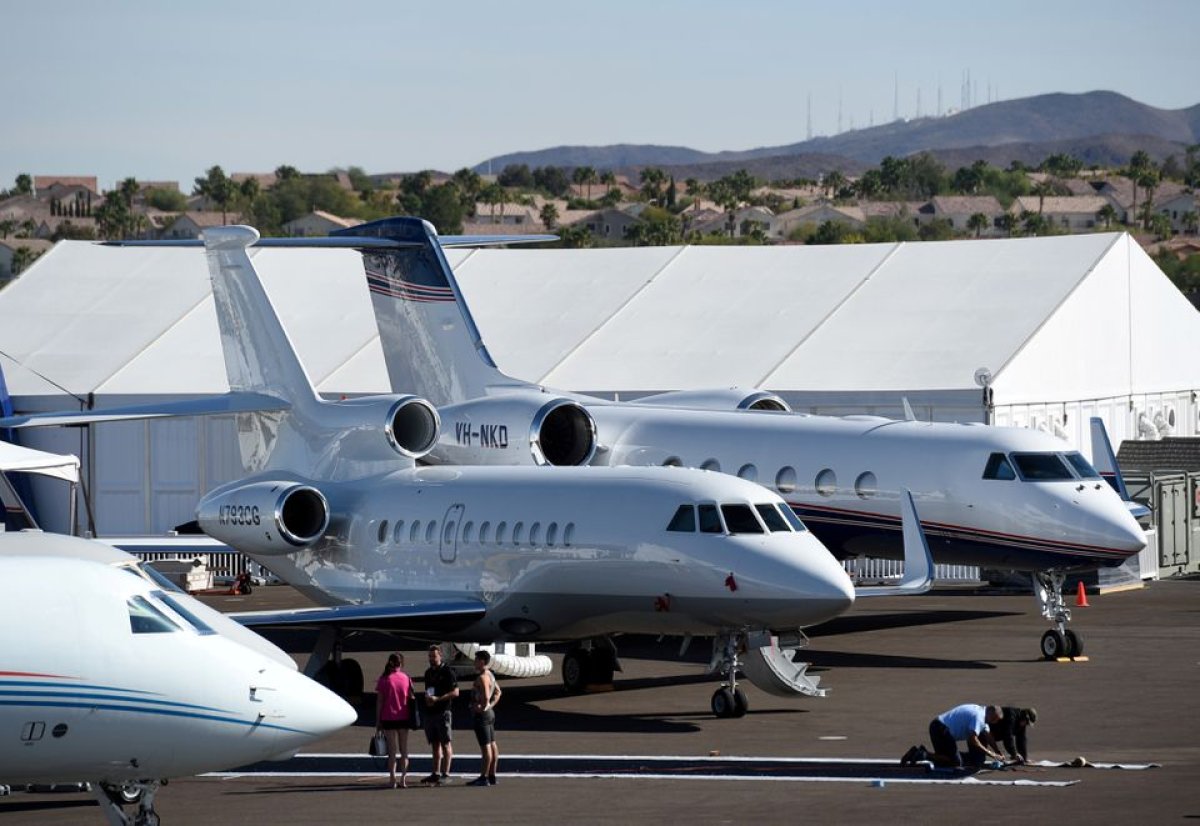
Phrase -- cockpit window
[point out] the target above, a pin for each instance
(1041, 467)
(146, 572)
(178, 607)
(792, 519)
(684, 520)
(710, 520)
(144, 618)
(741, 519)
(771, 518)
(1081, 465)
(999, 468)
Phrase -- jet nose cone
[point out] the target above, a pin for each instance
(314, 710)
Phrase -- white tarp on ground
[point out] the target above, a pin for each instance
(1068, 326)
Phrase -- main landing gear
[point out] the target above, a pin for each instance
(1059, 641)
(591, 663)
(341, 675)
(113, 800)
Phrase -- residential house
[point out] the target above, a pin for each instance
(1074, 213)
(1176, 207)
(8, 250)
(958, 209)
(612, 224)
(317, 224)
(191, 224)
(784, 224)
(43, 184)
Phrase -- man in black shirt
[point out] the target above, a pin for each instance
(441, 687)
(1010, 730)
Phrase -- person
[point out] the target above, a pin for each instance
(393, 705)
(441, 687)
(1010, 730)
(484, 696)
(969, 723)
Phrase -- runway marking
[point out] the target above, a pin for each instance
(875, 771)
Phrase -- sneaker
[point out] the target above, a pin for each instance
(922, 756)
(432, 780)
(491, 780)
(910, 756)
(479, 781)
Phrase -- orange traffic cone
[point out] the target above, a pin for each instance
(1081, 596)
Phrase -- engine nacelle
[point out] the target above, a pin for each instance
(516, 430)
(382, 427)
(733, 398)
(265, 517)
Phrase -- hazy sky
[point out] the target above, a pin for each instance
(163, 90)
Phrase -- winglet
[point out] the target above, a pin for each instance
(918, 561)
(1104, 459)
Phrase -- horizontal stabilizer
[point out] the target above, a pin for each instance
(918, 561)
(215, 406)
(409, 617)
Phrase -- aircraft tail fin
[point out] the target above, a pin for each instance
(1104, 459)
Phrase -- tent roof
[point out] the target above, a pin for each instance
(17, 458)
(874, 317)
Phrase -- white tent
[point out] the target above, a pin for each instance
(23, 459)
(1066, 327)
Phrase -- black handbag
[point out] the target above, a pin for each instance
(378, 745)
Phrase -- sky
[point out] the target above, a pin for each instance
(163, 91)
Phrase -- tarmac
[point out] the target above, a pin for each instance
(651, 751)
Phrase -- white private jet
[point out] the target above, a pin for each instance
(111, 676)
(337, 507)
(1004, 498)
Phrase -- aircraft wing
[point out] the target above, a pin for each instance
(918, 561)
(421, 616)
(226, 403)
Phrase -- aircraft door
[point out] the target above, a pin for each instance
(448, 538)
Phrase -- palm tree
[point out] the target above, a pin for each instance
(1148, 180)
(652, 180)
(978, 222)
(7, 227)
(1191, 221)
(1043, 188)
(549, 215)
(24, 184)
(833, 182)
(1107, 214)
(695, 191)
(1007, 222)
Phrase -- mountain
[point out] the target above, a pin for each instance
(1053, 119)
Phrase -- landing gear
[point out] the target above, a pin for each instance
(592, 663)
(341, 675)
(1059, 641)
(113, 800)
(728, 700)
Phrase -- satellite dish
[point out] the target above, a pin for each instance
(983, 377)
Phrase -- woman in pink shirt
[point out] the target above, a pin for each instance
(393, 704)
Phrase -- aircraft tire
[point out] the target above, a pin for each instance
(740, 703)
(1054, 645)
(576, 670)
(330, 676)
(352, 678)
(723, 703)
(122, 795)
(1074, 644)
(602, 663)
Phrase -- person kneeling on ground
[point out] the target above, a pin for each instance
(1010, 730)
(967, 723)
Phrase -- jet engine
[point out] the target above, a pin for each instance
(733, 398)
(265, 517)
(525, 429)
(380, 427)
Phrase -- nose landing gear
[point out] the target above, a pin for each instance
(1059, 641)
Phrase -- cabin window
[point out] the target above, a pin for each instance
(748, 472)
(1041, 467)
(414, 533)
(551, 534)
(382, 535)
(484, 529)
(501, 532)
(785, 480)
(998, 467)
(468, 527)
(431, 530)
(569, 534)
(792, 518)
(711, 464)
(144, 618)
(535, 533)
(518, 532)
(827, 482)
(684, 520)
(772, 519)
(175, 605)
(398, 532)
(1081, 466)
(865, 485)
(741, 519)
(710, 520)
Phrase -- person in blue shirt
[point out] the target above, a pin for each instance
(966, 723)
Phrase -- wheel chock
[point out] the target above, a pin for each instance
(1080, 659)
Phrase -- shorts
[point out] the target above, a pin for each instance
(393, 725)
(485, 727)
(439, 726)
